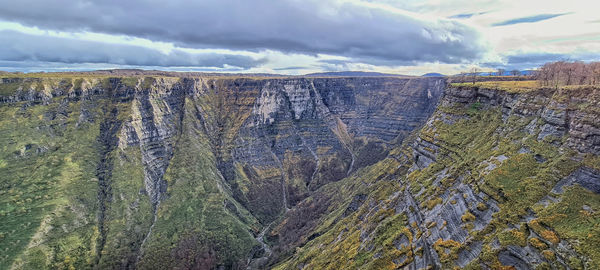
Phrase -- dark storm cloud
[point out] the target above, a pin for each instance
(529, 19)
(310, 26)
(20, 47)
(37, 66)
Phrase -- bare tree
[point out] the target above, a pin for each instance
(595, 72)
(556, 72)
(581, 73)
(543, 74)
(501, 72)
(568, 73)
(569, 70)
(474, 74)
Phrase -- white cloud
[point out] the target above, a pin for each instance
(294, 37)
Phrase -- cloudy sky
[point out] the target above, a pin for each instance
(296, 36)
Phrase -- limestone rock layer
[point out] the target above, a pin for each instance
(296, 173)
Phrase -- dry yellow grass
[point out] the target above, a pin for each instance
(508, 86)
(515, 86)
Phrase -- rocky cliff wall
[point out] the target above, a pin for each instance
(162, 172)
(493, 180)
(159, 171)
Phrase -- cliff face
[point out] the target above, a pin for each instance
(286, 173)
(493, 179)
(182, 172)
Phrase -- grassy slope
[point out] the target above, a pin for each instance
(48, 199)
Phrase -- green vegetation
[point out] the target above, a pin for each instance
(130, 214)
(518, 182)
(195, 224)
(576, 217)
(130, 81)
(493, 155)
(147, 82)
(467, 217)
(55, 205)
(447, 249)
(488, 161)
(341, 238)
(9, 88)
(11, 84)
(52, 208)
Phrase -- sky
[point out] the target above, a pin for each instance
(294, 37)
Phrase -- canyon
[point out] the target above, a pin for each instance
(254, 172)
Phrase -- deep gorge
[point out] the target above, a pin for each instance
(296, 173)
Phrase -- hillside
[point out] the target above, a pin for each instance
(157, 172)
(299, 135)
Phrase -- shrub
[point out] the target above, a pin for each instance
(550, 236)
(467, 217)
(432, 203)
(537, 243)
(549, 255)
